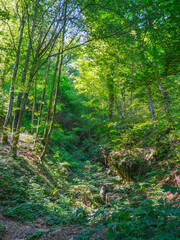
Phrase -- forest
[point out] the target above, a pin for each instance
(89, 120)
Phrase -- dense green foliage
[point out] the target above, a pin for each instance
(89, 116)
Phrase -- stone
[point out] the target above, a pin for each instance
(56, 231)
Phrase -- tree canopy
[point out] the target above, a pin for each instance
(95, 85)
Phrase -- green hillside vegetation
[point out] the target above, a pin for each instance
(89, 119)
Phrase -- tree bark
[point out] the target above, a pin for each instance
(19, 116)
(17, 112)
(54, 111)
(165, 103)
(16, 131)
(42, 102)
(48, 117)
(57, 90)
(151, 108)
(11, 98)
(34, 106)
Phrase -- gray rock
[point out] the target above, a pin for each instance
(56, 231)
(43, 230)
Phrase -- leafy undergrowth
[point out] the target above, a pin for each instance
(144, 212)
(61, 190)
(65, 190)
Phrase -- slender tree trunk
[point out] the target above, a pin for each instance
(165, 103)
(57, 90)
(34, 106)
(42, 102)
(16, 131)
(123, 102)
(54, 112)
(11, 98)
(17, 116)
(17, 112)
(17, 121)
(151, 108)
(48, 118)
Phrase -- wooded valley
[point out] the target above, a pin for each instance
(89, 119)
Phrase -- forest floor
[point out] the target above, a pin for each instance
(10, 227)
(14, 230)
(46, 202)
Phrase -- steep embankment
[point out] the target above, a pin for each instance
(42, 196)
(83, 194)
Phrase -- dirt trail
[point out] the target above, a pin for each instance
(12, 230)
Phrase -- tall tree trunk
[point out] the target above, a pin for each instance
(48, 117)
(33, 71)
(16, 131)
(165, 102)
(151, 108)
(17, 120)
(53, 113)
(42, 102)
(34, 106)
(18, 104)
(57, 90)
(11, 98)
(123, 102)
